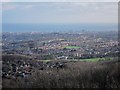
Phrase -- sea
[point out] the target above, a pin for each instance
(57, 27)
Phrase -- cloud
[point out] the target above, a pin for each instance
(28, 6)
(8, 7)
(14, 5)
(5, 0)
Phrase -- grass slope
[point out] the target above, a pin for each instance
(97, 59)
(72, 47)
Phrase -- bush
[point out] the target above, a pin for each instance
(102, 74)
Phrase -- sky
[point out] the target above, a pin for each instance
(59, 0)
(59, 12)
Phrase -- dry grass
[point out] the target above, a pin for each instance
(102, 74)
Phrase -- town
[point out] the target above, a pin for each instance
(61, 45)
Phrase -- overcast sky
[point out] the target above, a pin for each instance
(64, 12)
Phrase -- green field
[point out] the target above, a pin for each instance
(72, 47)
(97, 59)
(45, 60)
(92, 59)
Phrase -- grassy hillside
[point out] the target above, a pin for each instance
(97, 59)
